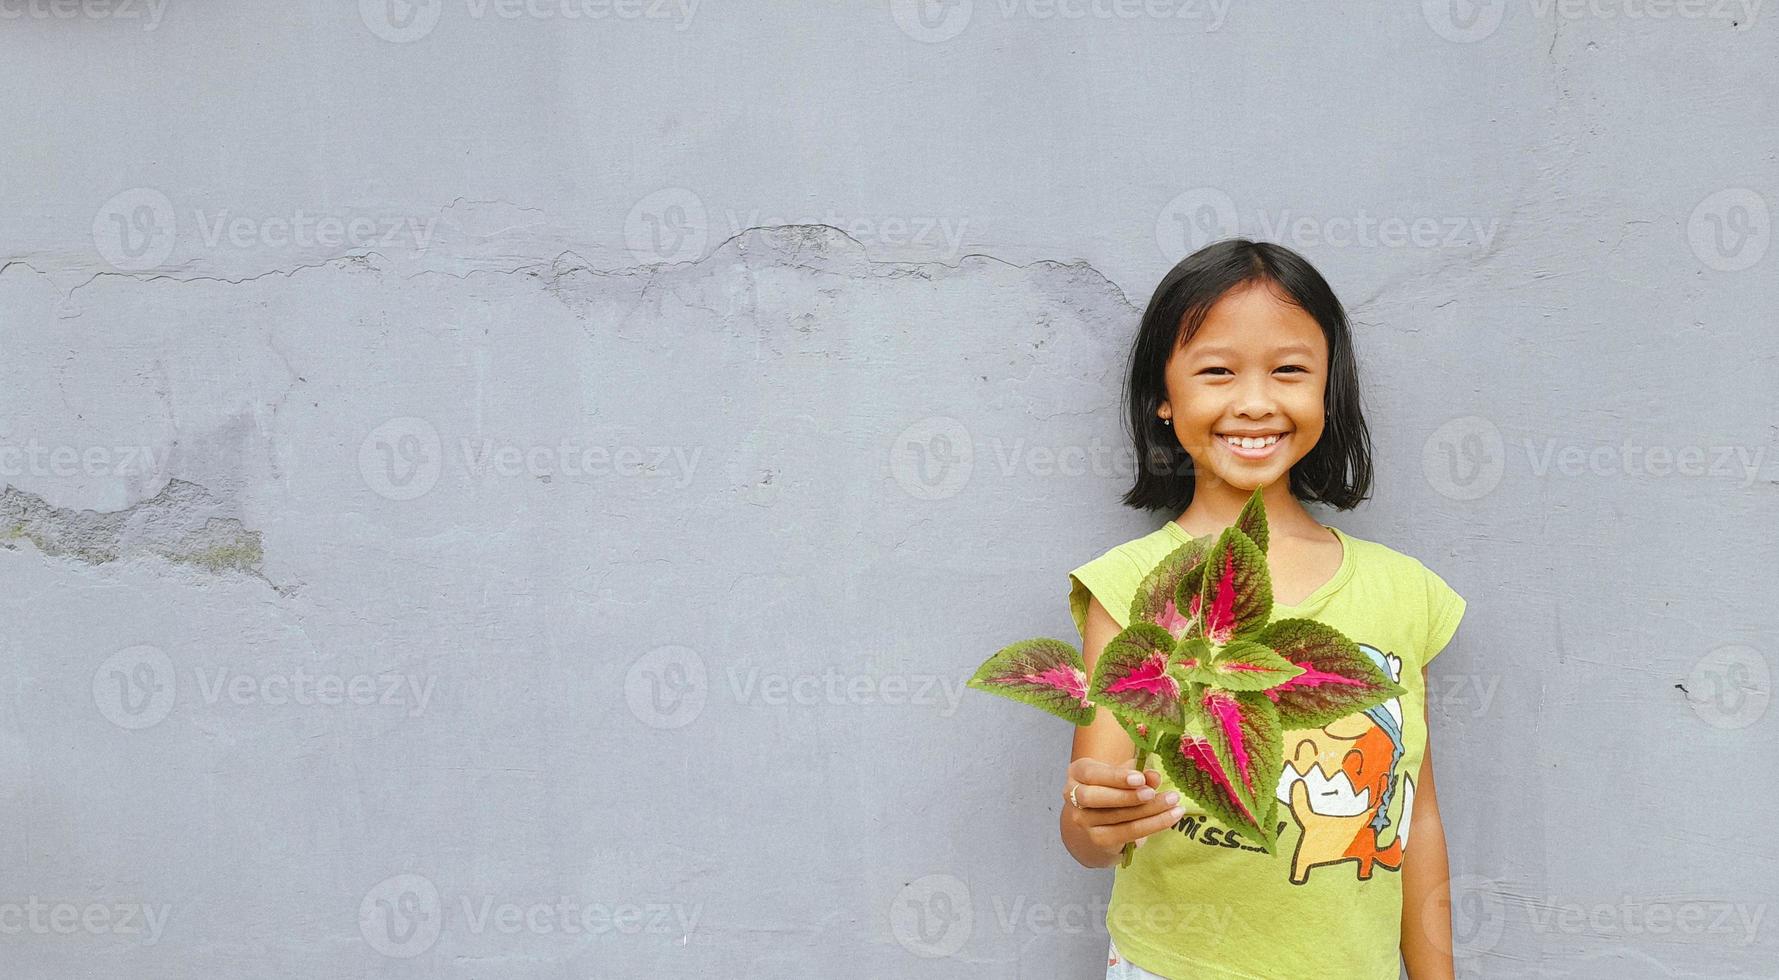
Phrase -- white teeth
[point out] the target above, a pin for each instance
(1247, 443)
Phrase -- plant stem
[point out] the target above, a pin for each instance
(1130, 848)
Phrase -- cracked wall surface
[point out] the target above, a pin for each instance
(610, 527)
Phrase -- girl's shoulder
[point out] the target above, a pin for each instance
(1113, 576)
(1397, 578)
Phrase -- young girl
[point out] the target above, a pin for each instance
(1243, 376)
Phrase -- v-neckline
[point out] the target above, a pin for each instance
(1323, 591)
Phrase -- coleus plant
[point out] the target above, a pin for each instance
(1204, 677)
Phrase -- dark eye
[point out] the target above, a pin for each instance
(1295, 367)
(1210, 369)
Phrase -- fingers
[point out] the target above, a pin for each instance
(1109, 816)
(1093, 772)
(1123, 832)
(1159, 822)
(1091, 797)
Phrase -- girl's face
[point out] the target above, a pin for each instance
(1257, 368)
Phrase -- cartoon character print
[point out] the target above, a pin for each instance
(1338, 783)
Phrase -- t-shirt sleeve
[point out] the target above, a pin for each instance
(1445, 607)
(1112, 578)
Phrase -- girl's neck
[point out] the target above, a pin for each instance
(1215, 508)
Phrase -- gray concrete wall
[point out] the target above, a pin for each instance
(503, 490)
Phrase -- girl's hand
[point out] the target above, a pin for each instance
(1115, 805)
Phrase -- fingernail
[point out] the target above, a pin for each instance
(1172, 798)
(1177, 812)
(1135, 779)
(1146, 794)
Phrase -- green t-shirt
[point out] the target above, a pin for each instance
(1198, 901)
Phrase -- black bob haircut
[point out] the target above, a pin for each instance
(1337, 471)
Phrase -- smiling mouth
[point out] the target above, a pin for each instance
(1253, 448)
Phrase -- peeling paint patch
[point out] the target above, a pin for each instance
(181, 524)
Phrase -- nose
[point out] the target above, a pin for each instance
(1254, 400)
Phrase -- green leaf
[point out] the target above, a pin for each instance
(1244, 665)
(1130, 677)
(1236, 598)
(1192, 765)
(1044, 673)
(1188, 598)
(1252, 520)
(1337, 679)
(1155, 600)
(1243, 730)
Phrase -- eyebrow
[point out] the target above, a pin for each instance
(1230, 352)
